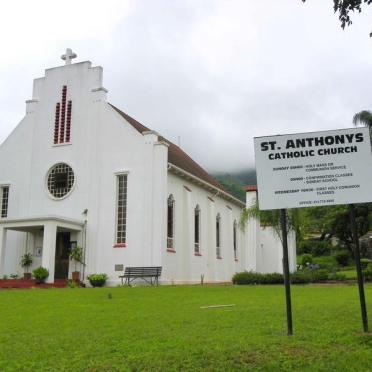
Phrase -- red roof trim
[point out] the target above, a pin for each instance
(250, 188)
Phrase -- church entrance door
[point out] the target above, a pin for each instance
(62, 255)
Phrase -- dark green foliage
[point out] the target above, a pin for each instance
(309, 275)
(250, 277)
(97, 280)
(298, 277)
(367, 273)
(314, 247)
(365, 262)
(232, 185)
(344, 7)
(26, 261)
(342, 257)
(306, 259)
(336, 276)
(40, 274)
(301, 277)
(234, 182)
(340, 225)
(326, 262)
(335, 221)
(320, 275)
(76, 255)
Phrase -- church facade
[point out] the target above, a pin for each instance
(79, 171)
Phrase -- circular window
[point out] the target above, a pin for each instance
(60, 180)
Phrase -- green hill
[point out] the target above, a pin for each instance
(234, 182)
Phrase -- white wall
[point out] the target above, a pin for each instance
(268, 254)
(102, 144)
(183, 265)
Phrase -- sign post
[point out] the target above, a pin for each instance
(362, 298)
(315, 169)
(287, 284)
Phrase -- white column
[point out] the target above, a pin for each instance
(3, 233)
(211, 246)
(49, 249)
(159, 202)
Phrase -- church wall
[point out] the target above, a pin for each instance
(265, 247)
(102, 144)
(184, 265)
(145, 162)
(15, 165)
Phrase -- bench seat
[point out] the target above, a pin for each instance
(150, 274)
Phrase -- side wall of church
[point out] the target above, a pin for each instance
(121, 149)
(183, 266)
(265, 246)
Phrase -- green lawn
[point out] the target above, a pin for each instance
(164, 328)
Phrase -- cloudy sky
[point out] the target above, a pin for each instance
(212, 73)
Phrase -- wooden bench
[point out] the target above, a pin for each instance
(151, 272)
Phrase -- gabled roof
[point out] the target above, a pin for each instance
(176, 156)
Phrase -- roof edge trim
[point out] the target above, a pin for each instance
(206, 185)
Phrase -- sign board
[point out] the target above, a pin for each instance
(314, 169)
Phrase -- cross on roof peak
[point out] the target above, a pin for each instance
(68, 56)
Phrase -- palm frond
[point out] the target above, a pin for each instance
(363, 118)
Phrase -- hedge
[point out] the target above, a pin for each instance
(298, 277)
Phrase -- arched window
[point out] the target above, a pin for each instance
(170, 223)
(197, 230)
(235, 240)
(218, 236)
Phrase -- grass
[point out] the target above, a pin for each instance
(164, 329)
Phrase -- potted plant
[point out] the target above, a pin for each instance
(26, 262)
(76, 255)
(97, 280)
(40, 274)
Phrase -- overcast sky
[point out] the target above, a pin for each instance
(212, 73)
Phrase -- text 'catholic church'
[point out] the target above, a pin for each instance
(79, 171)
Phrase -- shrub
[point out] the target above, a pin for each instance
(367, 273)
(72, 284)
(314, 247)
(272, 278)
(365, 262)
(336, 276)
(320, 275)
(342, 257)
(76, 255)
(97, 280)
(300, 277)
(306, 259)
(250, 277)
(26, 261)
(327, 262)
(40, 274)
(307, 275)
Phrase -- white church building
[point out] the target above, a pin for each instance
(79, 171)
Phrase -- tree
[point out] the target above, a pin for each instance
(335, 221)
(344, 7)
(364, 118)
(272, 218)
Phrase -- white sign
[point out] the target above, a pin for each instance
(314, 169)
